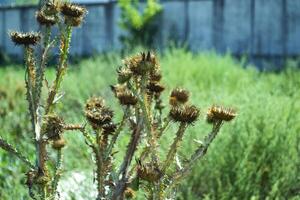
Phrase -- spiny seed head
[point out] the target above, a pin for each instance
(96, 113)
(109, 128)
(124, 75)
(179, 96)
(44, 19)
(127, 98)
(73, 21)
(142, 63)
(148, 172)
(219, 113)
(155, 75)
(186, 114)
(155, 87)
(31, 38)
(54, 126)
(72, 10)
(58, 144)
(52, 7)
(124, 95)
(129, 193)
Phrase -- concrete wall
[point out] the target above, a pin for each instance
(261, 29)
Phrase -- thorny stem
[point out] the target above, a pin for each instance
(117, 132)
(99, 163)
(57, 172)
(200, 152)
(9, 148)
(64, 50)
(120, 187)
(174, 147)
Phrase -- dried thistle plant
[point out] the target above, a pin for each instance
(138, 91)
(47, 128)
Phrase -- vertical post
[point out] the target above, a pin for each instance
(109, 24)
(186, 21)
(218, 24)
(252, 28)
(284, 29)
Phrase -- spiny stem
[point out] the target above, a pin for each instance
(57, 171)
(200, 152)
(10, 149)
(174, 146)
(61, 69)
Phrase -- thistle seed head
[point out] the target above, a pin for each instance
(125, 96)
(155, 75)
(219, 113)
(52, 7)
(142, 63)
(54, 126)
(109, 128)
(149, 172)
(96, 113)
(124, 75)
(186, 114)
(44, 19)
(179, 96)
(155, 87)
(72, 10)
(31, 38)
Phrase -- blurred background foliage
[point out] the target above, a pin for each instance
(255, 157)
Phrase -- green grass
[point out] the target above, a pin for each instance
(257, 156)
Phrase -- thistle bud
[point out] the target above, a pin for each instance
(124, 75)
(149, 172)
(109, 128)
(26, 39)
(96, 113)
(178, 96)
(129, 193)
(73, 14)
(186, 114)
(58, 144)
(218, 113)
(155, 87)
(54, 127)
(44, 19)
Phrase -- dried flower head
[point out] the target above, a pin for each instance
(129, 193)
(148, 172)
(96, 113)
(125, 96)
(155, 87)
(179, 96)
(72, 10)
(155, 75)
(54, 127)
(44, 19)
(52, 7)
(31, 38)
(142, 63)
(58, 144)
(124, 75)
(219, 113)
(109, 128)
(186, 114)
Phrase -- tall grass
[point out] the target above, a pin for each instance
(256, 157)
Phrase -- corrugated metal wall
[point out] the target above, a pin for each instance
(257, 28)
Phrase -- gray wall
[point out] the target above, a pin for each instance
(261, 29)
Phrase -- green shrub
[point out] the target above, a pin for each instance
(138, 22)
